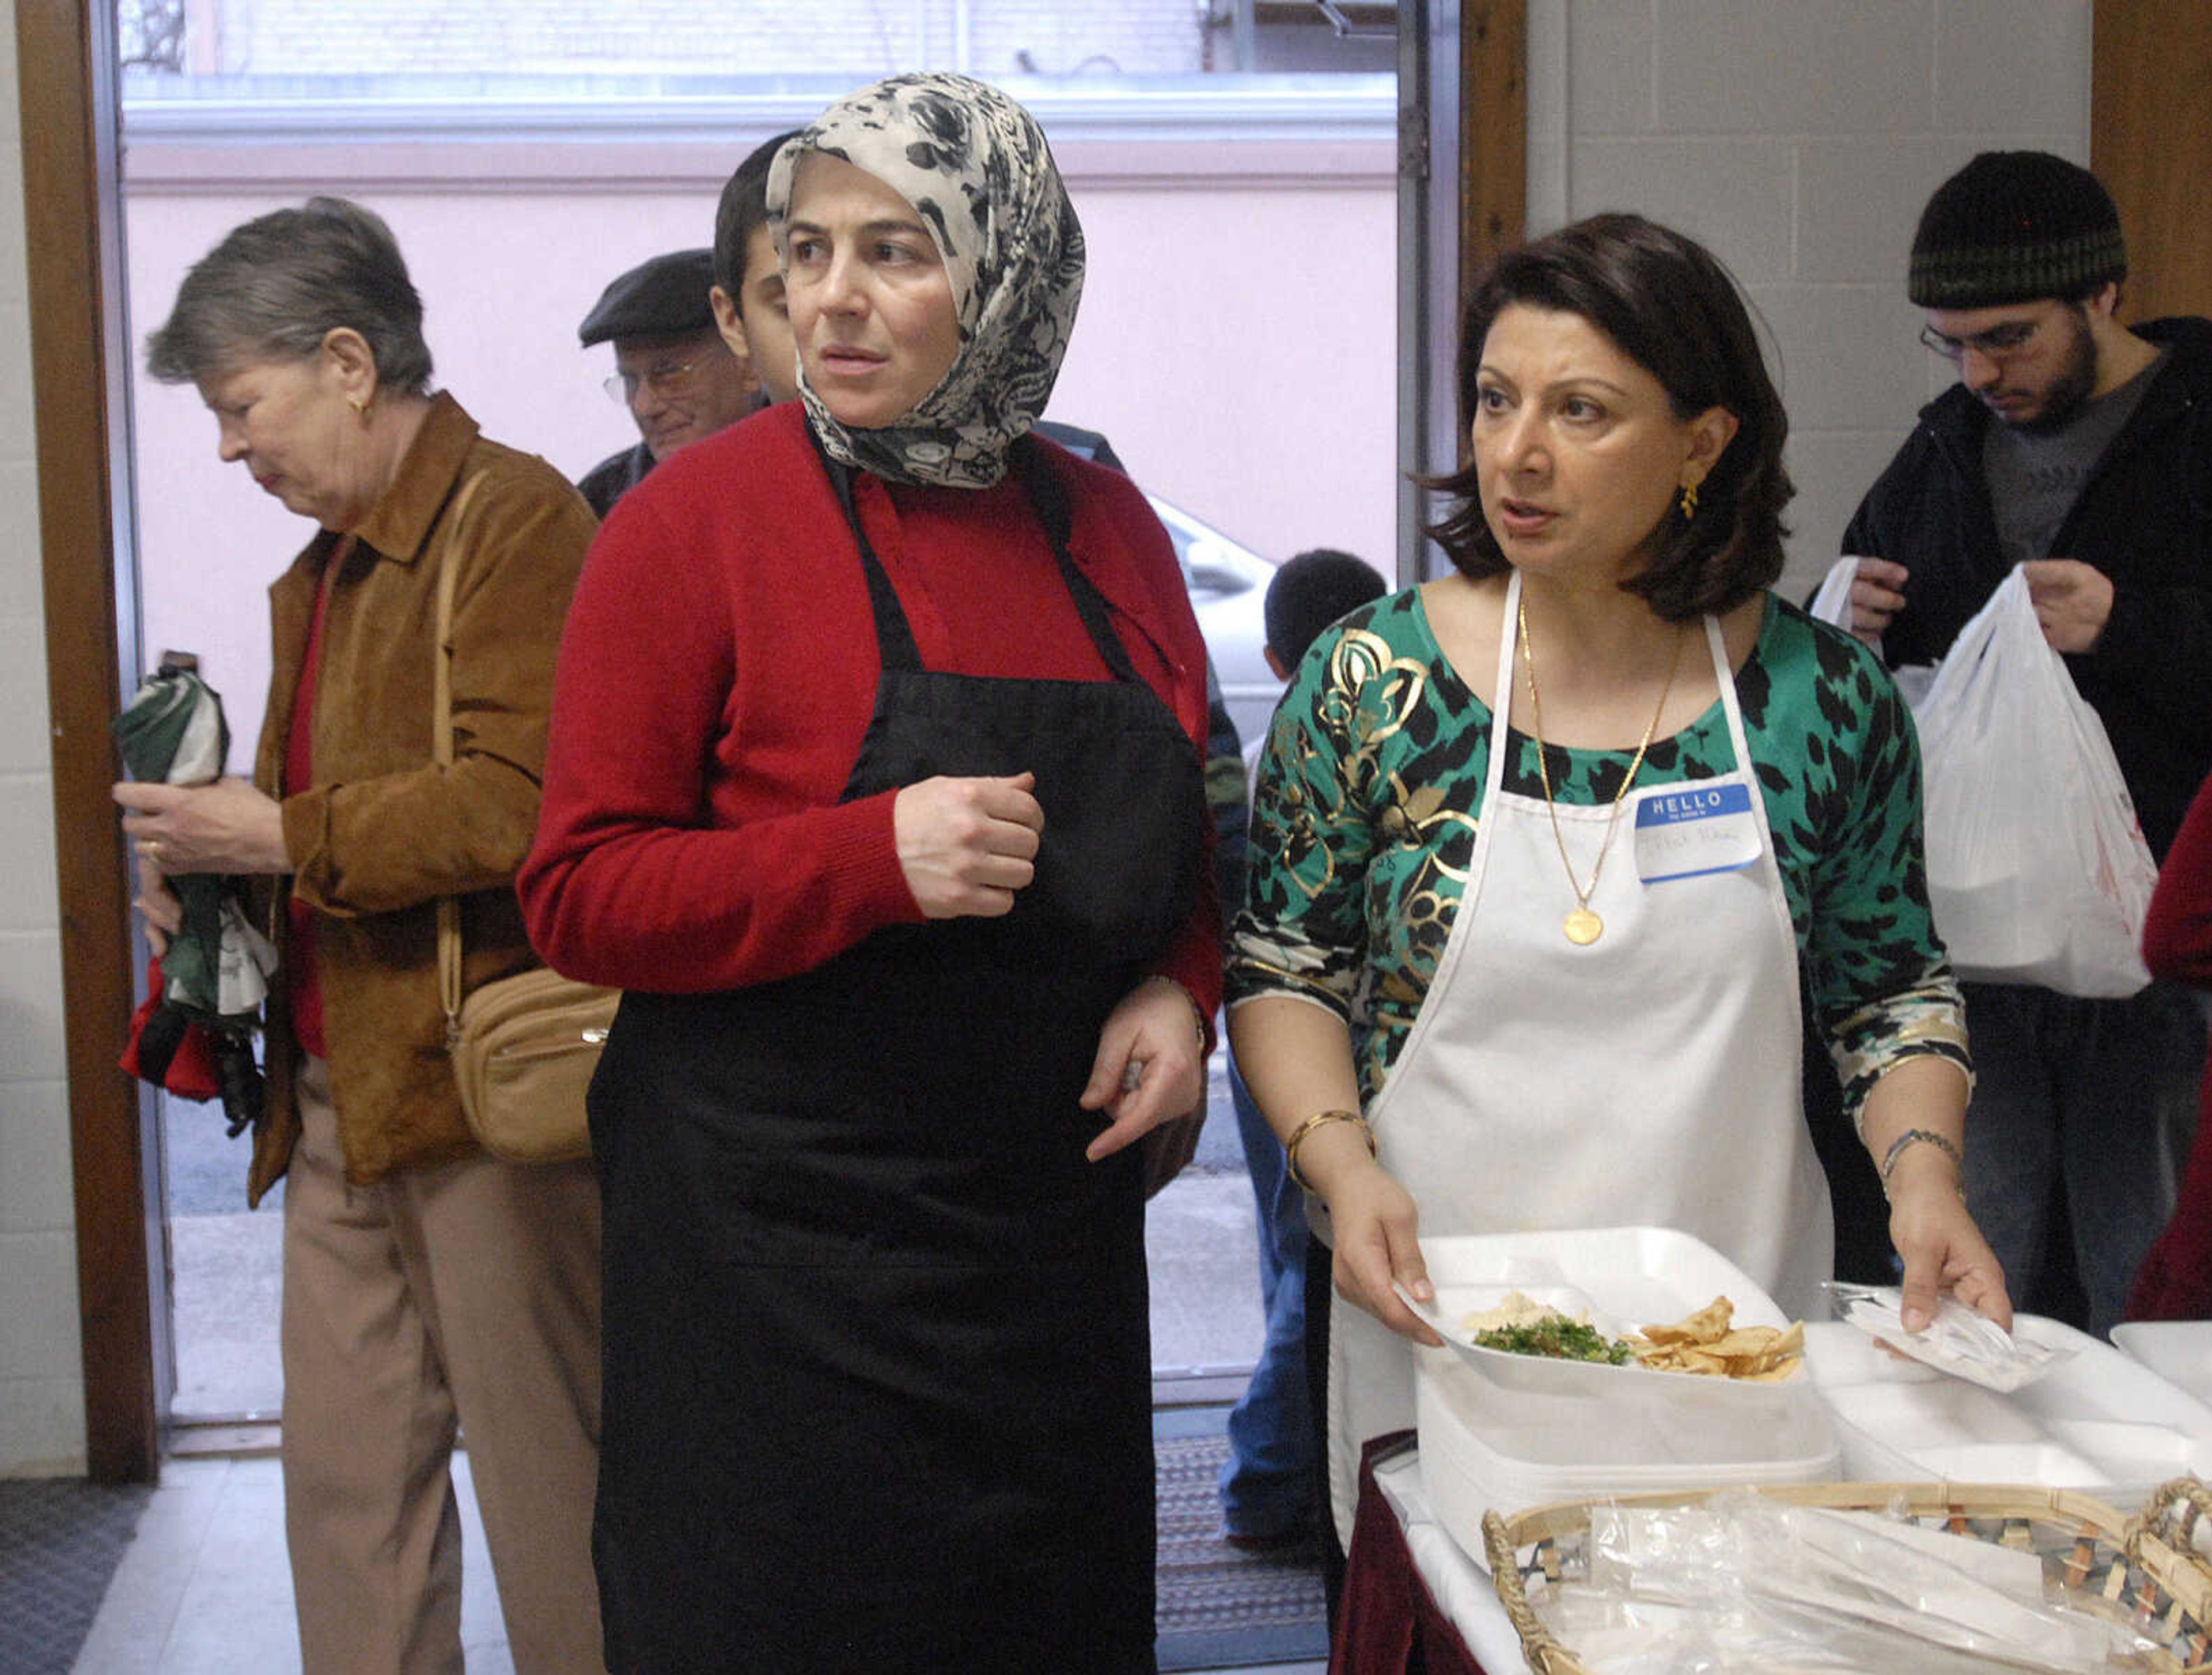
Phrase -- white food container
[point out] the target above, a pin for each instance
(2097, 1422)
(2178, 1351)
(1509, 1432)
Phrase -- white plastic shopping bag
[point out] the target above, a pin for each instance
(2037, 871)
(1832, 604)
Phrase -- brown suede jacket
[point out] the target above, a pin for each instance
(382, 832)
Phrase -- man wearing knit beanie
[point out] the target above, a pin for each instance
(2082, 450)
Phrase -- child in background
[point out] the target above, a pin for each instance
(1308, 593)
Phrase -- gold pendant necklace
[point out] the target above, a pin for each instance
(1581, 925)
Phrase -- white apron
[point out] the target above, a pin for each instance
(1651, 1078)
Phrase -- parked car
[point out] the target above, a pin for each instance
(1228, 585)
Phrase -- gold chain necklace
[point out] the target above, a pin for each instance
(1583, 926)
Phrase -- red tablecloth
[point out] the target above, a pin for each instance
(1388, 1623)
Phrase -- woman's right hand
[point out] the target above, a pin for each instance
(1939, 1245)
(1374, 1220)
(967, 846)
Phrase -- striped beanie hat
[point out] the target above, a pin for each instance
(2014, 226)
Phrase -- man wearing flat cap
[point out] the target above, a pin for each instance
(2081, 448)
(672, 370)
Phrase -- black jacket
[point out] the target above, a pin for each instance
(2144, 518)
(614, 477)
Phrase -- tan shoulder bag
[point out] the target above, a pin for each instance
(524, 1048)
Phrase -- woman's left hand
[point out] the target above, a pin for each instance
(1943, 1250)
(225, 827)
(157, 904)
(1150, 1067)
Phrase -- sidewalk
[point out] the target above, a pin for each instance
(1206, 1326)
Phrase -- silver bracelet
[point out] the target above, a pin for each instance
(1926, 1136)
(1197, 1017)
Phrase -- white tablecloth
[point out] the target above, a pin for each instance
(1462, 1588)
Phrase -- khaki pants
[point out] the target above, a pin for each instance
(461, 1297)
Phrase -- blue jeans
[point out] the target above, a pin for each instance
(2095, 1096)
(1268, 1483)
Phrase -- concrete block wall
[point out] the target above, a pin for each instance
(42, 1377)
(1799, 139)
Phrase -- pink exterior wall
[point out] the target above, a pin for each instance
(1237, 337)
(862, 38)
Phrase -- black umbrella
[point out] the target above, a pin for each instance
(214, 975)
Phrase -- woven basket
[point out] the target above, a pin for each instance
(2144, 1571)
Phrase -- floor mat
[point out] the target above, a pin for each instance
(1220, 1608)
(60, 1538)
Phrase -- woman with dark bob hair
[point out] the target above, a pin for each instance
(1699, 344)
(427, 1286)
(1542, 850)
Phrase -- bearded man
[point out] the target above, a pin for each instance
(2081, 448)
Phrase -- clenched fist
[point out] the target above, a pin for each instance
(967, 846)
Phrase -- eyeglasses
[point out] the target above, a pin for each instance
(663, 378)
(1996, 344)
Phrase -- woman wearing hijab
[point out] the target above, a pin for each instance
(911, 916)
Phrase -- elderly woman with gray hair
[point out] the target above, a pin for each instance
(427, 1286)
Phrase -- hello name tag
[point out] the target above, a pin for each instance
(1686, 830)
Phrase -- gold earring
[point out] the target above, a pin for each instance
(359, 404)
(1689, 500)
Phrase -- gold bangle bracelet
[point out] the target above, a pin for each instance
(1319, 1118)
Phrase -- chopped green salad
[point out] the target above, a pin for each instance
(1561, 1338)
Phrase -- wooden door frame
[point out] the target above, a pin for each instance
(73, 234)
(2139, 50)
(1493, 151)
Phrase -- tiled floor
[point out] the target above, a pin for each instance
(203, 1590)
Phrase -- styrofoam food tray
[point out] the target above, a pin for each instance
(1510, 1432)
(1522, 1460)
(1622, 1278)
(2178, 1351)
(2098, 1422)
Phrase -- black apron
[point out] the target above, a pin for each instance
(877, 1356)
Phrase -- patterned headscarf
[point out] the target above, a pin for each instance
(976, 166)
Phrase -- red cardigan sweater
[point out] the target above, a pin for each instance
(718, 671)
(2175, 1280)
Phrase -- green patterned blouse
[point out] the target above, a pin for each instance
(1364, 825)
